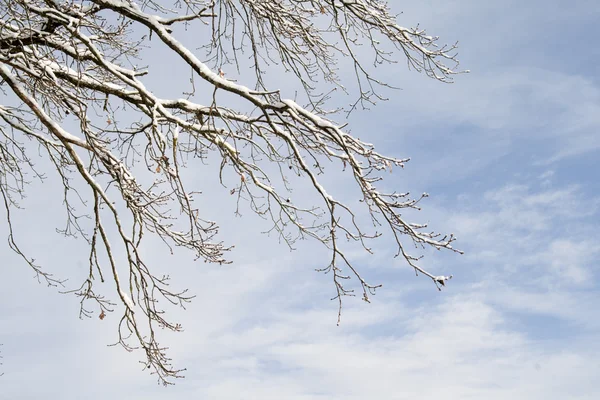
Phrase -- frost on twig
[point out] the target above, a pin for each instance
(2, 373)
(72, 61)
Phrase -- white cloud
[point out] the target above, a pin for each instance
(573, 260)
(264, 329)
(459, 349)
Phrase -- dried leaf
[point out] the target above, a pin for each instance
(322, 10)
(158, 168)
(102, 315)
(243, 178)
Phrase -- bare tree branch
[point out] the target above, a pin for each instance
(67, 67)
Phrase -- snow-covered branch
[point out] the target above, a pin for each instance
(69, 66)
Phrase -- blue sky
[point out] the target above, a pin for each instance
(509, 154)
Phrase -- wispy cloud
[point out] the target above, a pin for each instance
(518, 320)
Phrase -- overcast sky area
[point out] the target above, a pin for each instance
(509, 154)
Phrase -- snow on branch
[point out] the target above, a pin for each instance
(73, 61)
